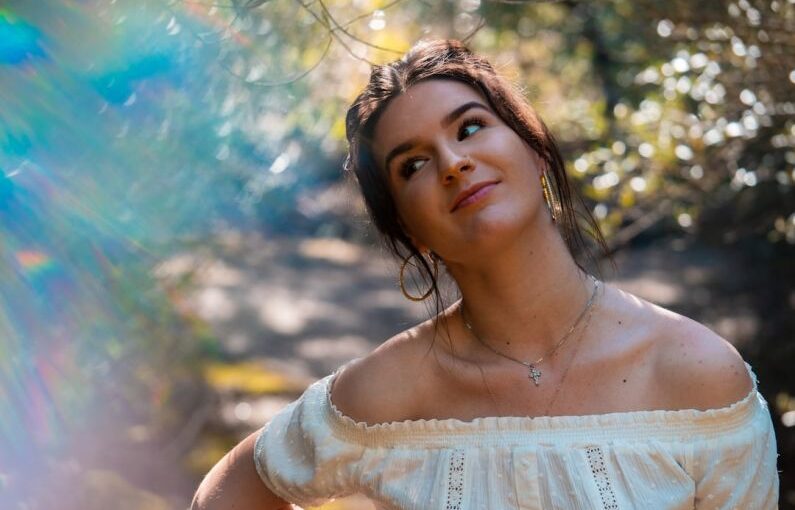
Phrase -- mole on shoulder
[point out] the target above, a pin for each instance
(620, 322)
(625, 380)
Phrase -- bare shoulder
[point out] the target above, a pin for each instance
(383, 386)
(698, 368)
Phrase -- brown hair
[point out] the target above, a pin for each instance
(451, 60)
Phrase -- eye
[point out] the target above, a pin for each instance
(410, 166)
(469, 127)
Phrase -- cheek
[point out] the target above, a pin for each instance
(505, 149)
(419, 207)
(418, 192)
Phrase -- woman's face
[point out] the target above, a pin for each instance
(440, 139)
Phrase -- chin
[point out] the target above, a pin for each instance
(495, 227)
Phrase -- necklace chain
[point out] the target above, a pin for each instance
(571, 362)
(532, 370)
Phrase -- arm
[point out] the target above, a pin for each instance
(233, 484)
(732, 469)
(741, 474)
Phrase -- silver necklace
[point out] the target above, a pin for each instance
(533, 373)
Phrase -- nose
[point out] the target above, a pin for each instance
(454, 164)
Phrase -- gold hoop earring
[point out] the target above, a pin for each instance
(553, 204)
(401, 279)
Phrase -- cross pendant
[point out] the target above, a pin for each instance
(533, 373)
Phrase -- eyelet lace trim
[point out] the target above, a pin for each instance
(455, 480)
(597, 461)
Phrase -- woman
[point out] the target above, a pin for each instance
(545, 388)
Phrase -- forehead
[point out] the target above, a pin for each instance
(420, 108)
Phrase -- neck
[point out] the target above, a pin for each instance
(526, 297)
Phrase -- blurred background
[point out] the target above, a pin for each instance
(181, 254)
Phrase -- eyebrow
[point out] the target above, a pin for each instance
(444, 123)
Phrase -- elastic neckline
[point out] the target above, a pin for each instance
(672, 425)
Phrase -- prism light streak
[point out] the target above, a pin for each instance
(93, 192)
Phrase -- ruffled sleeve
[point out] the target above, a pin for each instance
(300, 459)
(738, 469)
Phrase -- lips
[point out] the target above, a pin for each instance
(469, 192)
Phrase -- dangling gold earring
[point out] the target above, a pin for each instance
(553, 204)
(401, 279)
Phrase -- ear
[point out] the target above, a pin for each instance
(418, 245)
(540, 163)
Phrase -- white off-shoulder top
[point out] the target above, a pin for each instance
(715, 459)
